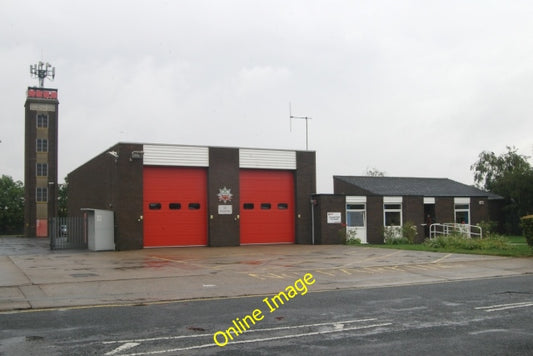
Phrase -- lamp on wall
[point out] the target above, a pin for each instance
(136, 155)
(113, 154)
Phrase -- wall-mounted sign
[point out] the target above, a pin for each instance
(42, 93)
(224, 195)
(334, 218)
(225, 209)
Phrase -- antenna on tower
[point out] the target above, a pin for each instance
(306, 118)
(42, 70)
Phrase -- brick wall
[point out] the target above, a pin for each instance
(304, 187)
(223, 171)
(325, 233)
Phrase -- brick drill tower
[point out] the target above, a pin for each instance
(40, 153)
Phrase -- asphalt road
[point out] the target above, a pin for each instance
(476, 317)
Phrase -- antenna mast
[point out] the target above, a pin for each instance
(42, 71)
(306, 118)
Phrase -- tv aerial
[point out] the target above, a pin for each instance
(306, 118)
(42, 70)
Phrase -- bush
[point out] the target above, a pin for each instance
(526, 223)
(397, 241)
(488, 227)
(354, 241)
(409, 232)
(390, 233)
(464, 243)
(348, 236)
(396, 235)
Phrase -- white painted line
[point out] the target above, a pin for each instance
(498, 331)
(156, 339)
(124, 347)
(311, 325)
(291, 336)
(499, 307)
(247, 331)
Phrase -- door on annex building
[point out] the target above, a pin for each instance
(174, 206)
(356, 218)
(267, 206)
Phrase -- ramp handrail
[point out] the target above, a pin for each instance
(455, 228)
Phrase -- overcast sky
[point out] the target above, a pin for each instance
(411, 88)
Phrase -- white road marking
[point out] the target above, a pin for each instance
(262, 339)
(155, 339)
(247, 331)
(499, 331)
(124, 347)
(498, 307)
(338, 326)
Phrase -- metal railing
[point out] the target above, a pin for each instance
(446, 229)
(67, 233)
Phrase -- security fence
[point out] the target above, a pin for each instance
(67, 233)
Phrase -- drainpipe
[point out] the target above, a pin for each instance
(313, 221)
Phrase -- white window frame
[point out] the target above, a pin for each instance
(392, 201)
(41, 169)
(42, 121)
(461, 201)
(41, 195)
(361, 209)
(41, 145)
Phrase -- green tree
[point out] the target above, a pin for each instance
(509, 175)
(62, 199)
(374, 172)
(11, 206)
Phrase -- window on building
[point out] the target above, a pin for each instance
(355, 215)
(248, 206)
(392, 214)
(42, 195)
(154, 206)
(266, 206)
(42, 145)
(194, 206)
(174, 206)
(42, 169)
(462, 213)
(283, 206)
(42, 120)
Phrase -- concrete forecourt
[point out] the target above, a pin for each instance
(33, 277)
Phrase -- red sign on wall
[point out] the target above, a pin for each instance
(42, 93)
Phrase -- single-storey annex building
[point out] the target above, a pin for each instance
(178, 195)
(367, 205)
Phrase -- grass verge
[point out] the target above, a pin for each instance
(512, 246)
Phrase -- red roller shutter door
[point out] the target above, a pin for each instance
(267, 206)
(175, 206)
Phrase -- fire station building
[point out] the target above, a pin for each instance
(177, 195)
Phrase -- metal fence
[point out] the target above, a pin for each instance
(455, 228)
(67, 233)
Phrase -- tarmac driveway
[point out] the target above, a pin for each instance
(33, 277)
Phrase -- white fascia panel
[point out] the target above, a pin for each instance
(267, 159)
(392, 200)
(461, 200)
(174, 155)
(428, 200)
(353, 199)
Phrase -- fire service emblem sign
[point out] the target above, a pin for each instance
(224, 195)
